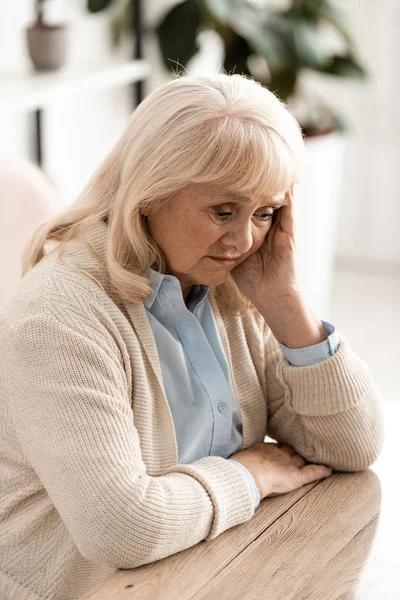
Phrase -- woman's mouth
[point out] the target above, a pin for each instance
(228, 262)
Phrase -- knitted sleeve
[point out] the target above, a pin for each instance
(75, 425)
(330, 412)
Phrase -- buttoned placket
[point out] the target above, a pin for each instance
(204, 362)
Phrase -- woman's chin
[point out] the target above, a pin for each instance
(214, 278)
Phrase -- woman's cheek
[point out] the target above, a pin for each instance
(260, 239)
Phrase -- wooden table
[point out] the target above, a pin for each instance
(337, 539)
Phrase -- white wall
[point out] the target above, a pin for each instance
(79, 133)
(370, 216)
(14, 129)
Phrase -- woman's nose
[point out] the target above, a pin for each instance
(240, 236)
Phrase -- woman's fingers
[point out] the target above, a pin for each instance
(298, 461)
(311, 473)
(287, 219)
(269, 240)
(287, 448)
(284, 225)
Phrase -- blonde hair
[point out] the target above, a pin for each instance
(224, 129)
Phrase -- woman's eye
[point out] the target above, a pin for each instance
(265, 216)
(223, 215)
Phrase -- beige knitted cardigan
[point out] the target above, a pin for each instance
(88, 456)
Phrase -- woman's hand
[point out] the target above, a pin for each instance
(269, 279)
(278, 469)
(270, 274)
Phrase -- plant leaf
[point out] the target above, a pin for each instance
(308, 45)
(283, 82)
(345, 66)
(331, 12)
(271, 38)
(122, 22)
(236, 55)
(177, 34)
(95, 6)
(229, 10)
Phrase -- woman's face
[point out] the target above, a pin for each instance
(205, 221)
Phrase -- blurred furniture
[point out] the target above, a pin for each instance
(28, 91)
(26, 198)
(333, 539)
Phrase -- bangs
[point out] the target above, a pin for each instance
(247, 158)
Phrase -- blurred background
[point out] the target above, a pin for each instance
(72, 72)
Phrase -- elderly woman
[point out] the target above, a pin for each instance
(157, 336)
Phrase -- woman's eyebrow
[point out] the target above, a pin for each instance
(268, 202)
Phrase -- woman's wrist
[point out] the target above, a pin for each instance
(293, 322)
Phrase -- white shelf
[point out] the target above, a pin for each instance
(29, 90)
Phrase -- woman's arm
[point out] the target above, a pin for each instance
(73, 419)
(329, 412)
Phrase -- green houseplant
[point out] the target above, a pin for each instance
(275, 45)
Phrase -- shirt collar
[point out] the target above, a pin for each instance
(160, 281)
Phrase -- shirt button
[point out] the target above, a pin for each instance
(222, 406)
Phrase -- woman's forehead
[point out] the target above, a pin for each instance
(217, 192)
(274, 200)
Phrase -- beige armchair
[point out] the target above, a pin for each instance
(27, 198)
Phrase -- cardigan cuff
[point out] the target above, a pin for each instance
(330, 387)
(255, 492)
(227, 488)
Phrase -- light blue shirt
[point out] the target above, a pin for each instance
(196, 375)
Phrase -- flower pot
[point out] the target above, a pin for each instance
(47, 45)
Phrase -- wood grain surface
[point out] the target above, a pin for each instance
(332, 540)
